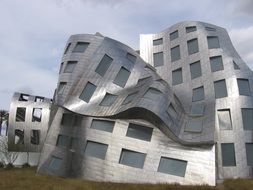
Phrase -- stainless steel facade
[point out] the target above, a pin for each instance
(116, 118)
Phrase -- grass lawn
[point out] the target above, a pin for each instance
(28, 179)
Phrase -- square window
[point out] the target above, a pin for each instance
(37, 115)
(80, 47)
(35, 137)
(190, 29)
(70, 66)
(247, 118)
(236, 67)
(193, 46)
(228, 154)
(103, 65)
(175, 53)
(132, 158)
(55, 163)
(20, 114)
(130, 98)
(122, 77)
(224, 118)
(158, 59)
(103, 125)
(139, 132)
(249, 153)
(220, 89)
(243, 86)
(197, 110)
(87, 92)
(131, 57)
(67, 119)
(213, 42)
(216, 63)
(172, 166)
(194, 126)
(157, 42)
(95, 149)
(108, 99)
(19, 136)
(195, 69)
(198, 94)
(67, 48)
(39, 99)
(62, 141)
(62, 87)
(173, 35)
(177, 77)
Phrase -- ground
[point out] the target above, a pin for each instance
(28, 179)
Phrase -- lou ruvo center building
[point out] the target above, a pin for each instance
(180, 110)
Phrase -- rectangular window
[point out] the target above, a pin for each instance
(80, 47)
(236, 67)
(195, 69)
(197, 109)
(173, 35)
(213, 42)
(55, 163)
(157, 42)
(19, 136)
(139, 132)
(210, 28)
(37, 115)
(103, 125)
(67, 119)
(95, 149)
(243, 86)
(39, 99)
(172, 111)
(228, 154)
(87, 92)
(20, 114)
(67, 48)
(247, 118)
(198, 94)
(193, 46)
(132, 158)
(122, 77)
(152, 94)
(70, 66)
(249, 153)
(220, 89)
(224, 118)
(130, 98)
(103, 65)
(131, 57)
(158, 59)
(62, 141)
(190, 29)
(172, 166)
(35, 137)
(194, 125)
(177, 77)
(62, 87)
(23, 97)
(216, 63)
(175, 53)
(108, 100)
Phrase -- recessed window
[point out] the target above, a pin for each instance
(80, 47)
(243, 86)
(220, 89)
(19, 136)
(139, 132)
(193, 46)
(61, 67)
(172, 166)
(157, 42)
(70, 66)
(190, 29)
(194, 125)
(210, 28)
(132, 158)
(173, 35)
(249, 153)
(197, 109)
(103, 65)
(216, 63)
(39, 99)
(62, 141)
(103, 125)
(62, 87)
(236, 67)
(37, 115)
(213, 42)
(108, 100)
(35, 137)
(152, 94)
(67, 119)
(175, 53)
(23, 97)
(195, 69)
(198, 94)
(55, 163)
(95, 149)
(130, 98)
(67, 48)
(224, 118)
(20, 114)
(228, 154)
(158, 59)
(247, 118)
(87, 92)
(131, 57)
(122, 77)
(172, 111)
(177, 77)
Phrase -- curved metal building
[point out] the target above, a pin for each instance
(181, 111)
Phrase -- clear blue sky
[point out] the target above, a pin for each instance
(34, 32)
